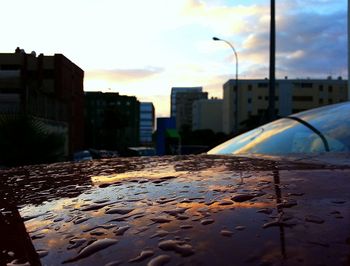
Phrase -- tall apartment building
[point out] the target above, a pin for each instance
(292, 95)
(147, 121)
(184, 104)
(49, 88)
(175, 91)
(207, 114)
(112, 121)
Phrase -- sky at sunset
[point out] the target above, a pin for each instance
(143, 48)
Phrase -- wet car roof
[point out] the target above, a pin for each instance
(182, 210)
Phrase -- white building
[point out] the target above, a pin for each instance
(207, 114)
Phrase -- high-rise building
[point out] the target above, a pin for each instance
(292, 96)
(207, 114)
(174, 92)
(49, 88)
(181, 104)
(147, 120)
(112, 121)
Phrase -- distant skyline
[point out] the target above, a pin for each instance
(144, 48)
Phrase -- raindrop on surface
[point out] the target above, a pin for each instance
(76, 242)
(207, 221)
(159, 260)
(42, 253)
(80, 220)
(314, 219)
(121, 230)
(178, 246)
(161, 219)
(160, 233)
(227, 233)
(186, 226)
(118, 211)
(143, 255)
(243, 197)
(240, 227)
(93, 248)
(114, 263)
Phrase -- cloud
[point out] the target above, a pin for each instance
(123, 75)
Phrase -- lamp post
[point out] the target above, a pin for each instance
(271, 110)
(236, 96)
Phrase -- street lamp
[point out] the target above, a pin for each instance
(271, 108)
(236, 97)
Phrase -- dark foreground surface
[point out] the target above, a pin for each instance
(189, 210)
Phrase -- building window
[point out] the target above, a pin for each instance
(302, 98)
(320, 101)
(330, 101)
(306, 85)
(250, 87)
(330, 88)
(262, 85)
(249, 100)
(260, 97)
(320, 88)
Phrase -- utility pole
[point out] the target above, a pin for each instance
(271, 110)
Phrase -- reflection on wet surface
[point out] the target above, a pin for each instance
(192, 210)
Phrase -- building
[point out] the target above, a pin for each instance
(175, 91)
(292, 96)
(168, 139)
(207, 114)
(49, 88)
(112, 121)
(181, 104)
(147, 120)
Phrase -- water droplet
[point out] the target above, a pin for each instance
(114, 263)
(76, 242)
(159, 260)
(225, 232)
(97, 233)
(176, 211)
(42, 253)
(287, 203)
(240, 227)
(178, 246)
(118, 211)
(144, 255)
(160, 233)
(186, 226)
(225, 202)
(243, 197)
(314, 219)
(265, 211)
(121, 230)
(38, 236)
(207, 221)
(161, 219)
(80, 220)
(93, 248)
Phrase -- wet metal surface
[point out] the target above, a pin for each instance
(186, 210)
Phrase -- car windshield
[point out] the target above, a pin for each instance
(324, 129)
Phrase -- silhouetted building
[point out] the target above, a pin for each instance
(174, 92)
(168, 139)
(147, 120)
(112, 121)
(207, 114)
(292, 96)
(49, 88)
(184, 101)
